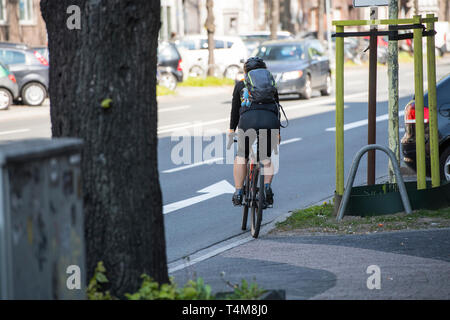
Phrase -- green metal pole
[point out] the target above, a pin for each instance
(339, 117)
(432, 105)
(418, 89)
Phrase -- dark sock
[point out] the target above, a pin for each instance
(239, 191)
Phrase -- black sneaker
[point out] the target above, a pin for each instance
(237, 198)
(269, 196)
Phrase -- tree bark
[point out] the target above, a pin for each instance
(275, 18)
(320, 20)
(393, 126)
(210, 28)
(113, 57)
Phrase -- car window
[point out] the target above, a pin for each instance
(230, 44)
(12, 57)
(218, 44)
(187, 44)
(286, 52)
(167, 52)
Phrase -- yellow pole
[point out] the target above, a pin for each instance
(432, 105)
(339, 116)
(418, 88)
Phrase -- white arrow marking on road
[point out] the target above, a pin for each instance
(215, 190)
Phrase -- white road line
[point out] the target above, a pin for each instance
(13, 132)
(322, 102)
(173, 125)
(290, 141)
(173, 108)
(362, 123)
(193, 165)
(188, 125)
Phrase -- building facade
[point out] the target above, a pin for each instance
(21, 21)
(239, 16)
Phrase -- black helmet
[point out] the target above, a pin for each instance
(254, 63)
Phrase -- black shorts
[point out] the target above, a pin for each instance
(254, 123)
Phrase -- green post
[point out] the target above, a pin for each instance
(432, 105)
(339, 117)
(418, 89)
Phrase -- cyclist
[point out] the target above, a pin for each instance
(256, 116)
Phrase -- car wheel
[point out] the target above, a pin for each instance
(328, 88)
(445, 165)
(307, 89)
(231, 72)
(168, 80)
(34, 94)
(6, 99)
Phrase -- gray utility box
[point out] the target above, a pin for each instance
(41, 219)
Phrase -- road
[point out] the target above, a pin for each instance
(197, 193)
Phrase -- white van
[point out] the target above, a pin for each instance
(229, 55)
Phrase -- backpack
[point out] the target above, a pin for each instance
(260, 85)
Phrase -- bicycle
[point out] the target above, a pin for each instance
(253, 194)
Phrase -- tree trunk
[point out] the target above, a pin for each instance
(275, 18)
(320, 20)
(113, 57)
(393, 126)
(210, 28)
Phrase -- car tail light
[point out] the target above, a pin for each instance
(179, 65)
(410, 114)
(41, 59)
(12, 78)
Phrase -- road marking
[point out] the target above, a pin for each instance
(173, 125)
(173, 108)
(290, 141)
(188, 125)
(13, 132)
(362, 123)
(215, 190)
(322, 102)
(193, 165)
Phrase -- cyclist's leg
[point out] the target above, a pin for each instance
(245, 139)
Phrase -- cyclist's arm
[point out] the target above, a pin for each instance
(236, 105)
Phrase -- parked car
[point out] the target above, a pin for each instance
(298, 66)
(9, 90)
(408, 141)
(229, 54)
(169, 65)
(253, 39)
(31, 71)
(43, 51)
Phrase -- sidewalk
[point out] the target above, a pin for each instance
(413, 264)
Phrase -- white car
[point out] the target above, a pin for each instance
(442, 38)
(229, 55)
(253, 39)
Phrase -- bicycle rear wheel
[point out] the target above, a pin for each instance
(257, 202)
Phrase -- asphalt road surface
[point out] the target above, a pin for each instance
(197, 192)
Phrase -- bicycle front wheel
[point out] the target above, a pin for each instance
(257, 202)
